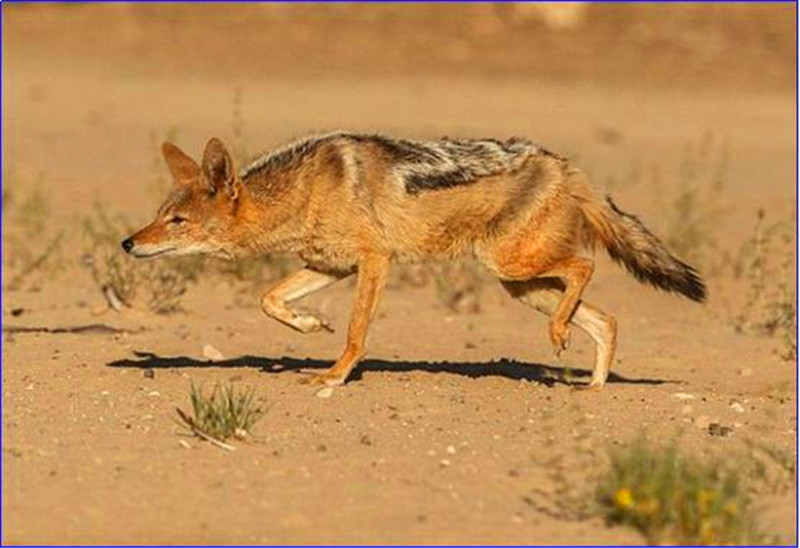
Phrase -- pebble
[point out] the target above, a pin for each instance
(185, 444)
(212, 354)
(451, 450)
(325, 392)
(683, 396)
(444, 463)
(719, 430)
(737, 407)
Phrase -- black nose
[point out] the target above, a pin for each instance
(127, 245)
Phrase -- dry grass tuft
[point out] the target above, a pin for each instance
(766, 265)
(31, 244)
(696, 205)
(155, 285)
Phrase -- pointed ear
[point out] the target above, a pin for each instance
(182, 168)
(218, 169)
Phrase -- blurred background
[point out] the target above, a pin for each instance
(685, 112)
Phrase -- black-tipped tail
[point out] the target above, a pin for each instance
(632, 245)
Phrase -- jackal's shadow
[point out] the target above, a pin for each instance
(511, 369)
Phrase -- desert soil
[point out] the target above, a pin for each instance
(460, 428)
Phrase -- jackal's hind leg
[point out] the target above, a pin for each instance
(575, 273)
(275, 302)
(544, 296)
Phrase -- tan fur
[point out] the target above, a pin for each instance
(350, 203)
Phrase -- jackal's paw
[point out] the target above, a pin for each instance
(309, 323)
(559, 336)
(591, 387)
(324, 379)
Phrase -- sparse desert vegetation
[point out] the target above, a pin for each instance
(224, 413)
(766, 269)
(157, 286)
(670, 498)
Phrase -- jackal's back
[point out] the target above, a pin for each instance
(418, 165)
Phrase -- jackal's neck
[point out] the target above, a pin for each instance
(269, 224)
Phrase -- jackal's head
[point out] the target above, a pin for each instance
(199, 215)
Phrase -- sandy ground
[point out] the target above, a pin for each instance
(459, 428)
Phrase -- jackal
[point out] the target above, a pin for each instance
(350, 203)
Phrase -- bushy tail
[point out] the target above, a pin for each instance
(629, 243)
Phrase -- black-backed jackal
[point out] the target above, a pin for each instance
(350, 204)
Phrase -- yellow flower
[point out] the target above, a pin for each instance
(623, 498)
(705, 498)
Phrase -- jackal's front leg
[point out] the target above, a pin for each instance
(372, 272)
(275, 302)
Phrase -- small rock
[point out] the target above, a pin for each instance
(683, 396)
(212, 354)
(154, 393)
(444, 463)
(737, 407)
(149, 374)
(325, 392)
(17, 311)
(185, 444)
(719, 430)
(276, 367)
(746, 372)
(451, 450)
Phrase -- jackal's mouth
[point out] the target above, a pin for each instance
(145, 253)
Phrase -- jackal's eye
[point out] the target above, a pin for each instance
(176, 220)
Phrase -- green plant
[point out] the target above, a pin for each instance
(223, 414)
(674, 499)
